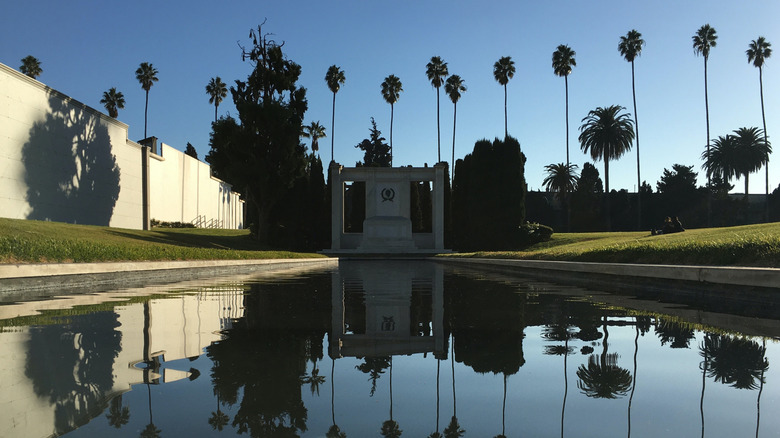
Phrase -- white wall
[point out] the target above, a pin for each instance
(182, 190)
(63, 161)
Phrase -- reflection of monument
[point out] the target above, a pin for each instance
(402, 312)
(387, 227)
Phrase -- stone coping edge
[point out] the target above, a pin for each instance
(17, 271)
(738, 276)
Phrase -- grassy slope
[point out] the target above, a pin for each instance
(24, 241)
(750, 245)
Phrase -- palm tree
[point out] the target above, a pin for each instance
(436, 71)
(147, 76)
(391, 91)
(560, 178)
(758, 51)
(705, 39)
(31, 66)
(314, 131)
(113, 101)
(217, 91)
(721, 158)
(334, 78)
(630, 47)
(608, 135)
(753, 151)
(562, 62)
(503, 71)
(454, 87)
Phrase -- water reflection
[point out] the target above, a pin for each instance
(530, 358)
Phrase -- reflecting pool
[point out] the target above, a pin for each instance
(382, 348)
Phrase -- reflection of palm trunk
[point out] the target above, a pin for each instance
(452, 358)
(438, 366)
(332, 391)
(391, 388)
(760, 388)
(565, 378)
(633, 387)
(703, 381)
(503, 410)
(147, 331)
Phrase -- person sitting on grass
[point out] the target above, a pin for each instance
(670, 226)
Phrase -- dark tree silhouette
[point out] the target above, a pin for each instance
(113, 100)
(630, 47)
(757, 53)
(607, 134)
(31, 66)
(391, 91)
(436, 71)
(146, 75)
(503, 71)
(217, 91)
(704, 40)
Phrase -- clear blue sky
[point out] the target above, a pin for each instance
(86, 47)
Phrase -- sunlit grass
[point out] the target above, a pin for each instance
(750, 245)
(24, 241)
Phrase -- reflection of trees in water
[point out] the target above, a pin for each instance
(118, 415)
(673, 333)
(602, 377)
(374, 367)
(738, 362)
(71, 364)
(262, 361)
(71, 174)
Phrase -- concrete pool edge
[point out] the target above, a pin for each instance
(31, 277)
(721, 275)
(42, 276)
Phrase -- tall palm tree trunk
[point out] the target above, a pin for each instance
(746, 185)
(506, 122)
(216, 107)
(332, 126)
(438, 127)
(707, 115)
(638, 177)
(763, 120)
(146, 109)
(391, 135)
(566, 193)
(566, 82)
(454, 120)
(606, 193)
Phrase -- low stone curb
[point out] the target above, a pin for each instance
(738, 276)
(63, 276)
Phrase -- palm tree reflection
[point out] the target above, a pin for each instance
(602, 377)
(118, 415)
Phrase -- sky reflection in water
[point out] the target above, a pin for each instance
(282, 356)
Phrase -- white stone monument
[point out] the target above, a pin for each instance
(387, 227)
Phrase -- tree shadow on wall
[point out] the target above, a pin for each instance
(71, 174)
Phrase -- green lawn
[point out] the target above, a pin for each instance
(750, 245)
(23, 241)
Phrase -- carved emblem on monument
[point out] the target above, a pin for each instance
(388, 194)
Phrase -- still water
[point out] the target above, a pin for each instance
(382, 348)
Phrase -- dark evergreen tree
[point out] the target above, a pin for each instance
(679, 195)
(261, 153)
(586, 200)
(489, 196)
(190, 150)
(376, 151)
